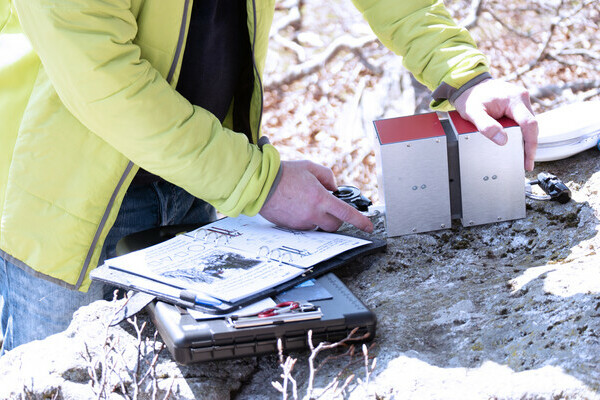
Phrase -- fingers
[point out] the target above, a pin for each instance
(522, 114)
(488, 126)
(329, 223)
(478, 106)
(344, 212)
(336, 211)
(491, 99)
(302, 200)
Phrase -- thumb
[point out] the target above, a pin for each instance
(324, 175)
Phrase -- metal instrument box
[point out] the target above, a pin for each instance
(491, 176)
(432, 171)
(413, 173)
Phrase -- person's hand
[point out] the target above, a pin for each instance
(491, 99)
(302, 200)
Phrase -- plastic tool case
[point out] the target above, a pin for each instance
(190, 340)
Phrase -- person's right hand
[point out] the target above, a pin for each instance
(491, 99)
(302, 200)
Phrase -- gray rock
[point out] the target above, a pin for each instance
(61, 365)
(502, 311)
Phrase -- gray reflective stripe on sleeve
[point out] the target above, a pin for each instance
(182, 30)
(447, 92)
(111, 202)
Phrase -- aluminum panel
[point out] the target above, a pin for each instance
(415, 186)
(492, 178)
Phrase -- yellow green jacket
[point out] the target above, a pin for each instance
(87, 97)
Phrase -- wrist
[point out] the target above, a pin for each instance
(450, 93)
(275, 183)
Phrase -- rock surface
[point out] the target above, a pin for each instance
(502, 311)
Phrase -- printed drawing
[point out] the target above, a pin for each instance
(288, 230)
(300, 252)
(222, 231)
(213, 266)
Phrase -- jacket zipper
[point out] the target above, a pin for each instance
(256, 71)
(129, 167)
(111, 202)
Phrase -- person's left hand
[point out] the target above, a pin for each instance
(491, 99)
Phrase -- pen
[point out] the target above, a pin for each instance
(190, 296)
(199, 298)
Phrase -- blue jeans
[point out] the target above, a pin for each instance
(33, 308)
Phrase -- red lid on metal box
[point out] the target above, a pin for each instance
(412, 127)
(463, 126)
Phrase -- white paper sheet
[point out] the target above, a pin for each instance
(233, 258)
(258, 236)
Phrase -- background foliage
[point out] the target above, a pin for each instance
(327, 76)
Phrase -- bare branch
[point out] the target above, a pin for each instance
(296, 48)
(326, 346)
(543, 49)
(376, 69)
(168, 394)
(349, 352)
(345, 385)
(590, 94)
(366, 358)
(583, 65)
(298, 71)
(556, 89)
(580, 52)
(510, 28)
(287, 366)
(472, 18)
(293, 16)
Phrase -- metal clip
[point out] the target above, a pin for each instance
(286, 307)
(288, 311)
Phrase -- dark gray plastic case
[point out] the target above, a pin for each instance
(191, 341)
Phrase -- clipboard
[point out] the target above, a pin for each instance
(169, 294)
